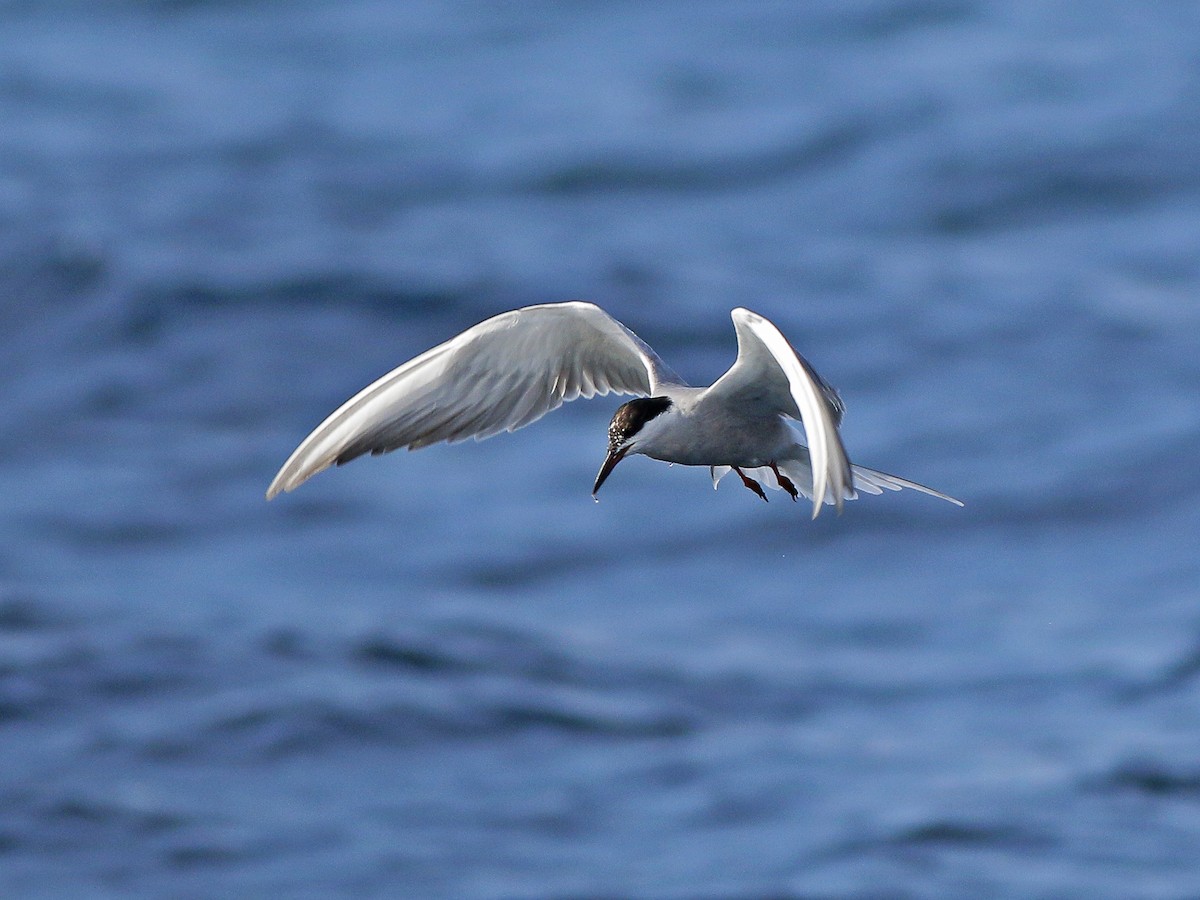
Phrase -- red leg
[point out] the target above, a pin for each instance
(785, 483)
(751, 483)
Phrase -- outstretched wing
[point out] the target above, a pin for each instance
(500, 375)
(771, 375)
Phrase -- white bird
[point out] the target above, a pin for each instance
(514, 368)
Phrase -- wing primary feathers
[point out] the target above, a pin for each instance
(502, 374)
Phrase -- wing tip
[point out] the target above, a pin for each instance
(839, 501)
(287, 481)
(277, 487)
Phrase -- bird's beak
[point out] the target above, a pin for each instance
(610, 463)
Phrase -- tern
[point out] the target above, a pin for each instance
(512, 369)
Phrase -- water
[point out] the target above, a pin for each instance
(449, 673)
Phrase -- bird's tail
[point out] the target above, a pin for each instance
(799, 472)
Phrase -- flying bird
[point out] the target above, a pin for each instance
(512, 369)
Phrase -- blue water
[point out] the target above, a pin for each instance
(450, 673)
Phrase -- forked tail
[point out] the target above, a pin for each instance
(799, 472)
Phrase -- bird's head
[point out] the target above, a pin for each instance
(627, 423)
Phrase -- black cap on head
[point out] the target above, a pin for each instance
(627, 421)
(630, 418)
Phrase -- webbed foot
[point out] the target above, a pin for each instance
(786, 483)
(751, 484)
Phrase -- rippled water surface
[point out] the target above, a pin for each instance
(450, 673)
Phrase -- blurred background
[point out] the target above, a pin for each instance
(450, 673)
